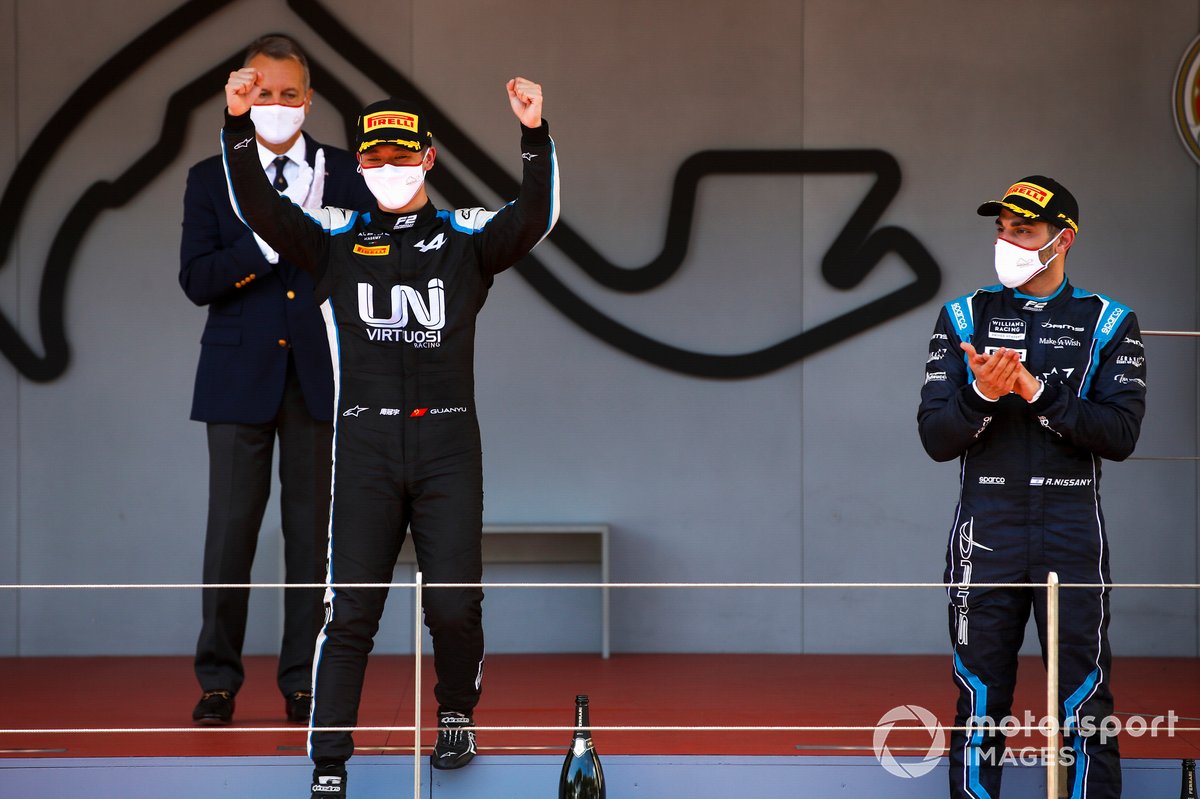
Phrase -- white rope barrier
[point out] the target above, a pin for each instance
(1023, 728)
(110, 586)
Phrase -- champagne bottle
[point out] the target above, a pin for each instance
(1188, 789)
(582, 777)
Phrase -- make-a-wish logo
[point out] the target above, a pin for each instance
(857, 248)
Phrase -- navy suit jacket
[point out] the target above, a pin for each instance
(257, 312)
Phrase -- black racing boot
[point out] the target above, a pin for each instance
(455, 745)
(329, 782)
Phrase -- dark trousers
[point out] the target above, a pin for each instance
(239, 477)
(986, 647)
(377, 494)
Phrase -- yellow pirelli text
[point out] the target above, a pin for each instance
(390, 119)
(382, 249)
(1038, 194)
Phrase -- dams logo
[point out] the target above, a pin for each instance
(1185, 99)
(382, 249)
(859, 244)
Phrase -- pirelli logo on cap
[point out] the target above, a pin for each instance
(1033, 191)
(382, 249)
(390, 119)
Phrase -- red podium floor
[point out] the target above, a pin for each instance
(135, 693)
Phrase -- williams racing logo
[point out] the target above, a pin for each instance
(1012, 329)
(413, 319)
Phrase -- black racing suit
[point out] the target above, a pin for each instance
(400, 296)
(1029, 504)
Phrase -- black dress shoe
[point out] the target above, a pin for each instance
(215, 709)
(299, 706)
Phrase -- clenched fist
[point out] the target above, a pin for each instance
(525, 97)
(242, 90)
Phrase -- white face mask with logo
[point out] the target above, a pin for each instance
(394, 186)
(1017, 265)
(277, 123)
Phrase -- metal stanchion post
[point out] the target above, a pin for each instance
(1052, 726)
(417, 635)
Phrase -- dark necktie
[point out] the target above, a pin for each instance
(280, 182)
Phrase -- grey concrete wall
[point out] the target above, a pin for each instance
(810, 472)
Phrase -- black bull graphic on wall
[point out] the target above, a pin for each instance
(857, 249)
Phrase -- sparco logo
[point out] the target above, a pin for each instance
(407, 304)
(991, 481)
(1111, 322)
(959, 319)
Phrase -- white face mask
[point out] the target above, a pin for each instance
(277, 123)
(394, 186)
(1016, 265)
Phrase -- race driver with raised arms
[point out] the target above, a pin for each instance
(401, 286)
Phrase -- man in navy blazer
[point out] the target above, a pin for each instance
(264, 373)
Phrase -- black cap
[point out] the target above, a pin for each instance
(1038, 197)
(393, 121)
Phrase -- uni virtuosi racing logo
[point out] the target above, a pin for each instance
(407, 306)
(1185, 99)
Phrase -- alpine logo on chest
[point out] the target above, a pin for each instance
(413, 318)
